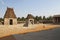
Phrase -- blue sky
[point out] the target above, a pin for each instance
(34, 7)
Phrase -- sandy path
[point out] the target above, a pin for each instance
(6, 30)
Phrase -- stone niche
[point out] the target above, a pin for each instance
(10, 17)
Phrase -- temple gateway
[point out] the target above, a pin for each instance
(56, 19)
(10, 17)
(29, 20)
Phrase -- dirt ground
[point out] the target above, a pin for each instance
(6, 30)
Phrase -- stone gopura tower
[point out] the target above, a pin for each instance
(10, 17)
(30, 19)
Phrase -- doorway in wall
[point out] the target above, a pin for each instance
(11, 22)
(31, 21)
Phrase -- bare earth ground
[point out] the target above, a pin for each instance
(6, 30)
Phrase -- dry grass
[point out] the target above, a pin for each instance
(6, 30)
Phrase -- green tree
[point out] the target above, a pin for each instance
(40, 18)
(44, 18)
(37, 18)
(1, 19)
(49, 18)
(18, 19)
(23, 19)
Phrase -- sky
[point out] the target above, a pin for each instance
(34, 7)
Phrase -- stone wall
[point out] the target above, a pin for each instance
(7, 21)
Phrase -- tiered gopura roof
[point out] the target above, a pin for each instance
(9, 13)
(30, 16)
